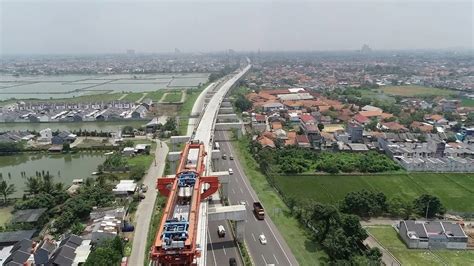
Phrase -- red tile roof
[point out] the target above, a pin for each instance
(307, 118)
(361, 119)
(302, 139)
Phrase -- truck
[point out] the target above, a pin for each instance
(258, 210)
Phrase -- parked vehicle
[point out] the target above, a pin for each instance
(144, 188)
(262, 239)
(258, 210)
(220, 231)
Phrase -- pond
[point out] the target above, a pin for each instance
(63, 167)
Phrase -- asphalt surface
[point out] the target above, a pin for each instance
(145, 207)
(276, 251)
(220, 249)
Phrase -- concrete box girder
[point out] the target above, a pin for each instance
(179, 139)
(233, 213)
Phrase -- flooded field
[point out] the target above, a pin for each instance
(67, 86)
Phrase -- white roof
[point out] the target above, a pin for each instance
(125, 186)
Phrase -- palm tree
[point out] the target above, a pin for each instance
(33, 185)
(6, 190)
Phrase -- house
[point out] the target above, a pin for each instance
(44, 251)
(63, 137)
(291, 138)
(27, 216)
(12, 237)
(307, 119)
(422, 127)
(266, 142)
(372, 108)
(302, 141)
(273, 106)
(393, 126)
(449, 105)
(363, 120)
(358, 147)
(45, 136)
(125, 188)
(259, 122)
(20, 253)
(276, 125)
(105, 223)
(432, 235)
(355, 132)
(73, 250)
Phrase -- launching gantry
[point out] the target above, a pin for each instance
(175, 241)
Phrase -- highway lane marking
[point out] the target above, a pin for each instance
(254, 237)
(233, 191)
(264, 260)
(251, 195)
(212, 248)
(276, 259)
(225, 253)
(241, 191)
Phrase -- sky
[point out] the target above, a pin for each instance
(71, 27)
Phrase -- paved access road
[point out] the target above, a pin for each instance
(220, 249)
(145, 208)
(276, 251)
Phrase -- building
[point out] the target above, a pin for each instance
(432, 235)
(259, 122)
(45, 136)
(19, 254)
(28, 216)
(355, 132)
(13, 237)
(73, 250)
(125, 188)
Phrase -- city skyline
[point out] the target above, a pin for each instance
(111, 27)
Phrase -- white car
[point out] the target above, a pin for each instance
(262, 239)
(231, 172)
(243, 203)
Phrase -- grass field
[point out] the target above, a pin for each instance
(415, 91)
(5, 214)
(133, 97)
(156, 95)
(187, 107)
(292, 231)
(390, 240)
(173, 97)
(456, 191)
(467, 102)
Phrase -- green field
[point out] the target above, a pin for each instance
(156, 95)
(133, 97)
(388, 237)
(5, 214)
(187, 107)
(467, 102)
(411, 90)
(456, 191)
(302, 246)
(172, 97)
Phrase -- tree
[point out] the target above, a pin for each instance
(428, 206)
(372, 125)
(129, 143)
(66, 147)
(127, 130)
(397, 207)
(6, 190)
(320, 127)
(137, 172)
(33, 185)
(108, 252)
(364, 203)
(320, 217)
(242, 103)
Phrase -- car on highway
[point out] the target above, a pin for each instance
(220, 231)
(262, 239)
(242, 203)
(231, 172)
(224, 156)
(232, 262)
(231, 157)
